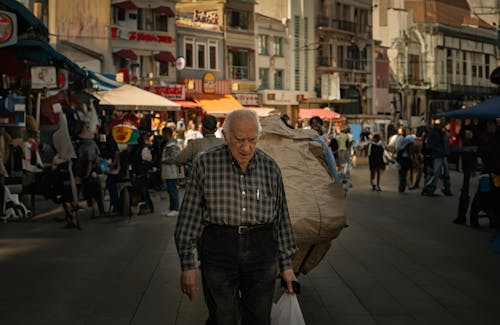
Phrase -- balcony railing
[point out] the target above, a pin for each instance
(352, 64)
(349, 26)
(239, 72)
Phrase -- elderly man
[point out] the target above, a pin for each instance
(236, 203)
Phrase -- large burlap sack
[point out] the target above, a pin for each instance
(316, 204)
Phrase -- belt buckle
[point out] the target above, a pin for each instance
(242, 230)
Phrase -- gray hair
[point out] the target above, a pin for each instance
(240, 114)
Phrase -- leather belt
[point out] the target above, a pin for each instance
(244, 229)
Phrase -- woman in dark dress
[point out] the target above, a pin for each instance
(376, 161)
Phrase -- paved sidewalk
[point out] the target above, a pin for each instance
(400, 261)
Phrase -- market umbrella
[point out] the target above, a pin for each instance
(321, 112)
(130, 98)
(488, 109)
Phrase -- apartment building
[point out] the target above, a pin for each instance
(440, 55)
(134, 39)
(344, 49)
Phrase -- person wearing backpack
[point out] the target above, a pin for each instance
(404, 148)
(438, 147)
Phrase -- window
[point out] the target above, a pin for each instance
(278, 79)
(212, 54)
(119, 15)
(163, 69)
(449, 63)
(263, 45)
(161, 22)
(486, 66)
(201, 55)
(264, 78)
(413, 68)
(189, 53)
(238, 19)
(278, 46)
(238, 65)
(149, 20)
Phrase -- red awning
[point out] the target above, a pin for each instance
(164, 11)
(321, 112)
(126, 54)
(125, 5)
(165, 56)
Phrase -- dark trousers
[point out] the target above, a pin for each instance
(113, 193)
(92, 191)
(171, 185)
(404, 168)
(140, 183)
(239, 272)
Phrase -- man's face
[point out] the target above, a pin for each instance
(242, 140)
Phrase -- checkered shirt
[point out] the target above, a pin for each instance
(221, 193)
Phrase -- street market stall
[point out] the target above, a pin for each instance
(131, 98)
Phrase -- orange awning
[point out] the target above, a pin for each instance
(217, 104)
(187, 104)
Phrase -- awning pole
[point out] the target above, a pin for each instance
(38, 104)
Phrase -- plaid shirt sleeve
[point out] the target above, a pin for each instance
(189, 223)
(286, 241)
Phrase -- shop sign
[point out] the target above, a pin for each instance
(173, 92)
(207, 17)
(279, 97)
(118, 33)
(43, 77)
(8, 28)
(248, 99)
(209, 83)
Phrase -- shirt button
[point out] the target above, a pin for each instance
(243, 193)
(243, 210)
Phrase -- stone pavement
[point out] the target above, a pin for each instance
(400, 261)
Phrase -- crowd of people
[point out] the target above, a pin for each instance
(423, 157)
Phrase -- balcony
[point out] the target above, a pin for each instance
(338, 24)
(349, 64)
(238, 72)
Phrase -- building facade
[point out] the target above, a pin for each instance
(440, 56)
(345, 51)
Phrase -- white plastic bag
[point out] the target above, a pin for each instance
(287, 311)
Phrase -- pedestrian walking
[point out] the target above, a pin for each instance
(376, 161)
(438, 147)
(235, 202)
(417, 168)
(197, 146)
(404, 152)
(170, 171)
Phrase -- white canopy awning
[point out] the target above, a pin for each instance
(131, 98)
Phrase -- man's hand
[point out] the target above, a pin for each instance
(188, 283)
(288, 276)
